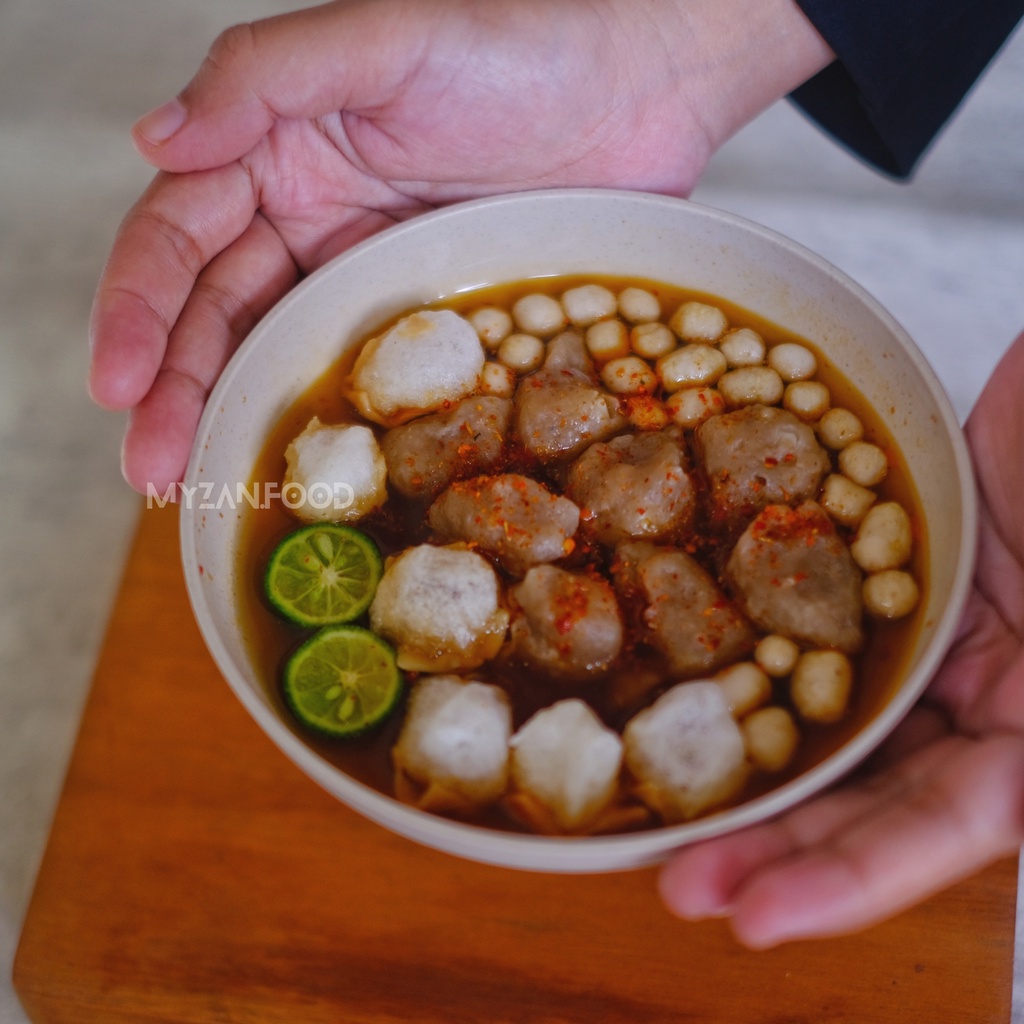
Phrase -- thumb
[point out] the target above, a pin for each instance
(300, 65)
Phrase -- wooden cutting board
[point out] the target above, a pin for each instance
(193, 875)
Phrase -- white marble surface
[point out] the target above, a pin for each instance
(945, 254)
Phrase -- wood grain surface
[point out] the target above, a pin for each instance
(194, 875)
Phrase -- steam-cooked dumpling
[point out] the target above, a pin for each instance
(686, 751)
(565, 767)
(425, 360)
(334, 473)
(441, 608)
(452, 753)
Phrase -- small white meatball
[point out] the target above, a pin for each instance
(820, 685)
(792, 362)
(638, 305)
(890, 594)
(699, 322)
(498, 380)
(690, 407)
(607, 339)
(588, 303)
(441, 608)
(884, 538)
(845, 501)
(686, 751)
(838, 428)
(426, 360)
(751, 385)
(807, 399)
(539, 314)
(771, 737)
(691, 366)
(651, 340)
(492, 325)
(746, 686)
(743, 347)
(864, 463)
(566, 760)
(521, 353)
(334, 474)
(629, 375)
(452, 752)
(777, 655)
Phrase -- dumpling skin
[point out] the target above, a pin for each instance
(686, 751)
(441, 607)
(758, 456)
(513, 518)
(635, 486)
(452, 752)
(793, 574)
(427, 360)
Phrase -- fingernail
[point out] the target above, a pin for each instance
(159, 125)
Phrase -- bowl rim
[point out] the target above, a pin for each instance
(602, 852)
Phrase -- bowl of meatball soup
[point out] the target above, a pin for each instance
(560, 529)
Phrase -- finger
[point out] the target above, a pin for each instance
(916, 840)
(237, 288)
(702, 880)
(302, 64)
(178, 226)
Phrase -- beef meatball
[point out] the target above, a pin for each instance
(794, 575)
(635, 486)
(757, 456)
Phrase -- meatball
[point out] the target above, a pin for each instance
(560, 409)
(510, 517)
(634, 486)
(794, 575)
(424, 456)
(682, 612)
(758, 456)
(564, 623)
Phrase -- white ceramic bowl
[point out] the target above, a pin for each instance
(567, 232)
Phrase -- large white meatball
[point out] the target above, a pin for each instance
(452, 753)
(686, 751)
(334, 473)
(441, 608)
(426, 360)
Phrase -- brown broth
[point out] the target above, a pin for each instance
(879, 667)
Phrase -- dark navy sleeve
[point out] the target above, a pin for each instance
(902, 69)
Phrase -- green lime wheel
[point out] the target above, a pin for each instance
(343, 681)
(323, 574)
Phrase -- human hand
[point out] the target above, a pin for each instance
(944, 797)
(302, 134)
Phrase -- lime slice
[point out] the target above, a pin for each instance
(323, 574)
(342, 681)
